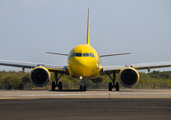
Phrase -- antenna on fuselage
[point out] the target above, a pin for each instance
(88, 27)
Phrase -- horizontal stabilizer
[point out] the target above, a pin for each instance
(114, 54)
(57, 53)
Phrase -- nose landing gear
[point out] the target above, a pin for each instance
(82, 87)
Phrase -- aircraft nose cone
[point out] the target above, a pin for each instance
(83, 67)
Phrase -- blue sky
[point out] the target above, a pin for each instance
(30, 28)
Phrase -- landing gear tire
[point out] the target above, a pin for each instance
(60, 86)
(84, 88)
(53, 86)
(110, 86)
(117, 86)
(80, 88)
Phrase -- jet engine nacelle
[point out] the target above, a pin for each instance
(40, 76)
(129, 77)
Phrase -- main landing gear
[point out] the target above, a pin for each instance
(82, 87)
(59, 85)
(113, 80)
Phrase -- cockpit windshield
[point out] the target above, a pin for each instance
(85, 55)
(78, 54)
(82, 55)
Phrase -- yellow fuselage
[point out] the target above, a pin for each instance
(83, 61)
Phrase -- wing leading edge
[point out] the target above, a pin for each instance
(30, 65)
(140, 66)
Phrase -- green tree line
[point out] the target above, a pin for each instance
(16, 79)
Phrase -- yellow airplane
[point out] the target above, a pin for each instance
(83, 62)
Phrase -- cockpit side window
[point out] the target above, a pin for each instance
(92, 55)
(72, 55)
(78, 54)
(85, 55)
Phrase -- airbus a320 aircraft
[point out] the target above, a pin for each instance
(83, 63)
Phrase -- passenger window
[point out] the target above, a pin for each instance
(72, 55)
(78, 54)
(92, 55)
(85, 55)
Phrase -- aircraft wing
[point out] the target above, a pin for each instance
(24, 65)
(151, 65)
(140, 66)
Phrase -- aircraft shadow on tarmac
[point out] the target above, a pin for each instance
(77, 90)
(67, 90)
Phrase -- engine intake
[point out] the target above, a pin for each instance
(40, 76)
(129, 77)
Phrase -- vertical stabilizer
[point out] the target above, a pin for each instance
(88, 27)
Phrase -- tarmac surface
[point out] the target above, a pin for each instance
(128, 104)
(123, 93)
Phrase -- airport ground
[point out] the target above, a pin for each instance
(131, 104)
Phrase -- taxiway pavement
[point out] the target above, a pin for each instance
(123, 93)
(129, 104)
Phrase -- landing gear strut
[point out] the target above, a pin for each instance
(113, 80)
(59, 85)
(82, 87)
